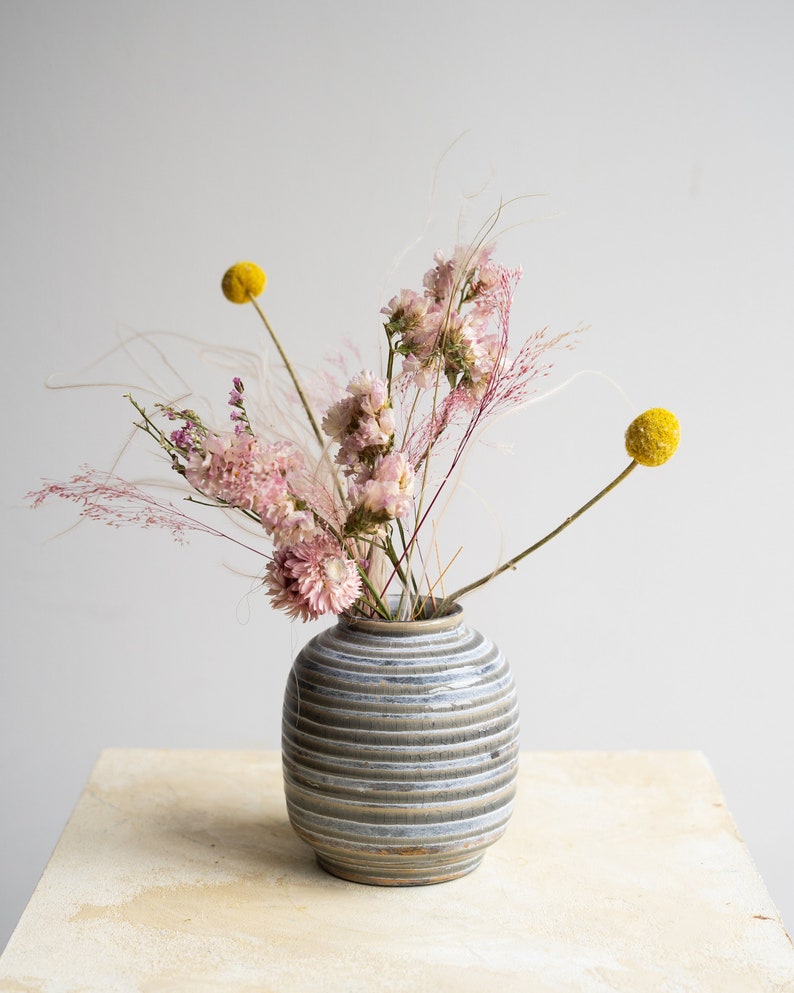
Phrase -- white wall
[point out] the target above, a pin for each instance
(148, 145)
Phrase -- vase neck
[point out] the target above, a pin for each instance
(395, 628)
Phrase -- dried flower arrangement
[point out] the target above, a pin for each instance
(350, 514)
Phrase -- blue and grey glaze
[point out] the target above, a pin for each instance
(400, 748)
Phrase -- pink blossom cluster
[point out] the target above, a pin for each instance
(310, 573)
(362, 423)
(447, 330)
(384, 491)
(382, 480)
(190, 436)
(235, 469)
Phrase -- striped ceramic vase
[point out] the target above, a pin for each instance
(400, 748)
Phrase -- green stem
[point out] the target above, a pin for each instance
(222, 505)
(512, 563)
(391, 555)
(302, 397)
(293, 375)
(150, 427)
(403, 579)
(389, 365)
(378, 603)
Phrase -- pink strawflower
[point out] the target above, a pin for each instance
(313, 578)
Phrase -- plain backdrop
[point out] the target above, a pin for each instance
(148, 145)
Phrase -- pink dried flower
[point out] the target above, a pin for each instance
(467, 273)
(313, 578)
(184, 439)
(407, 313)
(231, 468)
(438, 336)
(287, 524)
(439, 282)
(190, 437)
(422, 372)
(235, 469)
(362, 422)
(328, 526)
(385, 492)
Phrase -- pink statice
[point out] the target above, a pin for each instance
(422, 371)
(466, 276)
(385, 491)
(486, 274)
(236, 470)
(413, 326)
(313, 578)
(238, 414)
(228, 467)
(410, 322)
(470, 351)
(286, 504)
(286, 523)
(440, 282)
(362, 423)
(190, 436)
(483, 376)
(448, 331)
(482, 352)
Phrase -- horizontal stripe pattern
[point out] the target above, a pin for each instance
(400, 748)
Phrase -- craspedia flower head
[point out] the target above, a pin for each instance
(243, 281)
(652, 438)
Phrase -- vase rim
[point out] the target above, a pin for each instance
(390, 626)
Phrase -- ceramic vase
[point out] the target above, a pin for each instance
(400, 748)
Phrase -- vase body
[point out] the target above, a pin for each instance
(400, 748)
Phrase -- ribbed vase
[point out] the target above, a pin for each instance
(400, 748)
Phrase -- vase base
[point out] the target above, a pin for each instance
(399, 873)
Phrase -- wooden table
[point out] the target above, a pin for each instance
(178, 873)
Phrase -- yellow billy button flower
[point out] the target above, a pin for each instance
(243, 281)
(652, 438)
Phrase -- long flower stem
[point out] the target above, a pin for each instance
(397, 560)
(293, 375)
(301, 396)
(377, 601)
(512, 563)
